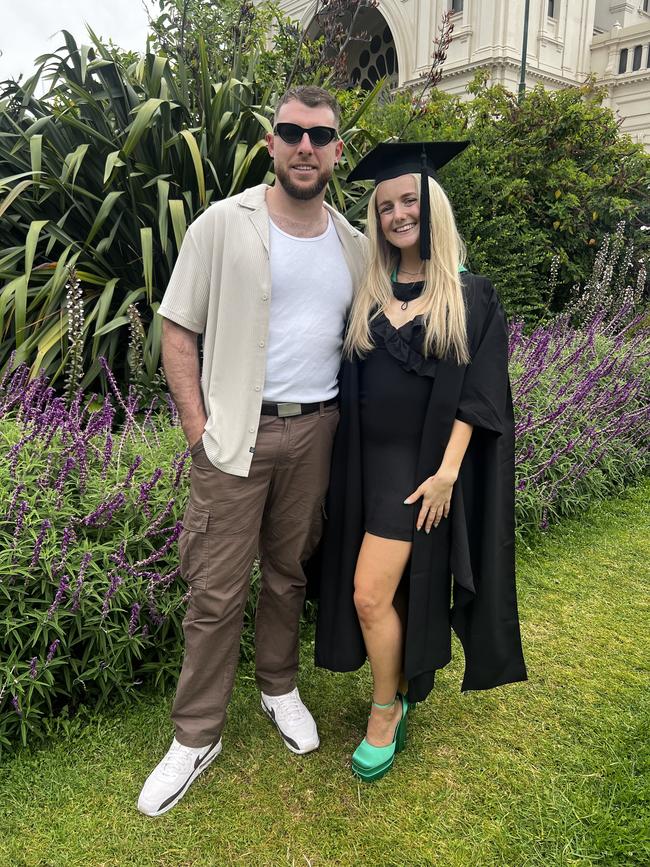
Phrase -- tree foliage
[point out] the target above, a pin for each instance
(543, 179)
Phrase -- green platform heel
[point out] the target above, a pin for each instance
(371, 763)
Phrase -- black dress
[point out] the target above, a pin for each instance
(395, 382)
(461, 575)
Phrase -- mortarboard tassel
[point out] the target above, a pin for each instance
(425, 209)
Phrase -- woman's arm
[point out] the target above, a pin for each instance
(436, 490)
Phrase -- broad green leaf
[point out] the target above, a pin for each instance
(52, 336)
(112, 161)
(102, 214)
(36, 154)
(243, 160)
(17, 190)
(73, 162)
(30, 244)
(83, 58)
(264, 122)
(118, 322)
(6, 296)
(179, 224)
(5, 183)
(163, 199)
(198, 165)
(141, 124)
(105, 244)
(102, 307)
(146, 240)
(20, 308)
(152, 348)
(131, 298)
(157, 71)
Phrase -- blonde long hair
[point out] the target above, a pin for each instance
(443, 311)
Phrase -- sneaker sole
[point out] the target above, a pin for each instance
(170, 802)
(289, 744)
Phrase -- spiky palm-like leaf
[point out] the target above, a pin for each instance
(103, 174)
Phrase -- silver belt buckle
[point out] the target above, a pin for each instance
(288, 409)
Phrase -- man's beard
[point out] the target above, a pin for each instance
(303, 194)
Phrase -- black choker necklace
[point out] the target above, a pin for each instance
(406, 292)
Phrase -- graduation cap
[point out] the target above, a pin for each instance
(393, 159)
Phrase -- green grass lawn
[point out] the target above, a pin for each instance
(549, 772)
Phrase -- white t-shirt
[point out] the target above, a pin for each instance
(311, 292)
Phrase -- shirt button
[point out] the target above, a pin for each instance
(265, 297)
(251, 430)
(261, 343)
(257, 388)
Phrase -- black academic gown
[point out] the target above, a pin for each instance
(462, 574)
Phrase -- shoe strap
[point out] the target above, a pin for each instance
(384, 706)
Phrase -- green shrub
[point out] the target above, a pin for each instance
(91, 599)
(543, 180)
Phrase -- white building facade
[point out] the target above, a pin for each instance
(568, 40)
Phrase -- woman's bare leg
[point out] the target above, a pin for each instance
(379, 570)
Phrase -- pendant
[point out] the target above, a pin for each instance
(404, 305)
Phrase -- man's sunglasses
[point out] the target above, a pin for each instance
(292, 134)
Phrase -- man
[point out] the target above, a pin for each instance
(267, 278)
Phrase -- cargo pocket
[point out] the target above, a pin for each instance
(193, 547)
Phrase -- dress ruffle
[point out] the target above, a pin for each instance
(404, 344)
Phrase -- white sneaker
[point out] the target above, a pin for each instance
(172, 777)
(293, 721)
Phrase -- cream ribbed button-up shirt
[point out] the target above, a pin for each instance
(221, 288)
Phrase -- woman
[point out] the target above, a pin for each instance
(420, 535)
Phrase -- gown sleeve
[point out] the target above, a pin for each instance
(485, 393)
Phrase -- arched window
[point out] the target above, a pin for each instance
(622, 61)
(375, 56)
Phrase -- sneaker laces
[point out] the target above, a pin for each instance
(177, 761)
(292, 708)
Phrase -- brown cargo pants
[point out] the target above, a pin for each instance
(276, 513)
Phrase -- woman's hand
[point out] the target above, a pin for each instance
(436, 498)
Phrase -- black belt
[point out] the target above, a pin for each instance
(284, 410)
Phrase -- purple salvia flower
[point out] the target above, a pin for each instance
(33, 667)
(115, 582)
(108, 451)
(64, 586)
(155, 616)
(76, 596)
(133, 620)
(45, 526)
(52, 651)
(105, 511)
(145, 631)
(16, 705)
(67, 468)
(146, 487)
(173, 536)
(12, 503)
(132, 469)
(162, 517)
(20, 519)
(171, 406)
(180, 468)
(69, 536)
